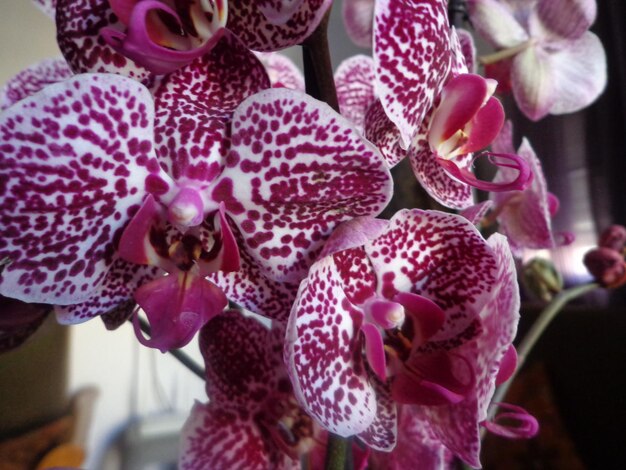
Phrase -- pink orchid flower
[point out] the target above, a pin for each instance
(197, 186)
(418, 311)
(525, 215)
(556, 66)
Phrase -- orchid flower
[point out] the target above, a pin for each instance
(525, 215)
(161, 36)
(91, 222)
(419, 311)
(556, 65)
(252, 419)
(282, 71)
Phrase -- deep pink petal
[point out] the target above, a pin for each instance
(354, 80)
(412, 56)
(485, 126)
(374, 350)
(33, 79)
(78, 33)
(194, 105)
(439, 256)
(123, 9)
(507, 365)
(384, 134)
(527, 425)
(295, 171)
(358, 18)
(177, 306)
(73, 162)
(567, 19)
(267, 33)
(323, 354)
(427, 316)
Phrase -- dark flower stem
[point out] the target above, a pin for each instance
(183, 358)
(336, 451)
(318, 69)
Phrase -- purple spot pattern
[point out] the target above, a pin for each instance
(439, 256)
(442, 187)
(71, 160)
(245, 375)
(47, 6)
(384, 134)
(78, 34)
(118, 287)
(457, 426)
(118, 315)
(358, 279)
(194, 106)
(412, 57)
(354, 80)
(323, 354)
(301, 169)
(250, 289)
(278, 11)
(247, 20)
(382, 434)
(33, 79)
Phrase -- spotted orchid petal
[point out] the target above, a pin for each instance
(116, 291)
(261, 28)
(194, 106)
(73, 160)
(412, 57)
(457, 425)
(296, 160)
(323, 354)
(384, 134)
(79, 23)
(382, 434)
(154, 44)
(354, 80)
(18, 321)
(466, 48)
(283, 73)
(47, 6)
(358, 18)
(438, 256)
(33, 79)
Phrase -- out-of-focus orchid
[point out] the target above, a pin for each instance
(525, 215)
(282, 71)
(358, 18)
(556, 65)
(283, 173)
(417, 311)
(252, 420)
(606, 262)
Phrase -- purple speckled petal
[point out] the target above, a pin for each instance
(78, 33)
(33, 79)
(434, 178)
(524, 216)
(47, 6)
(73, 161)
(384, 134)
(278, 11)
(295, 171)
(118, 287)
(224, 439)
(354, 80)
(476, 212)
(261, 33)
(282, 71)
(439, 256)
(466, 48)
(382, 433)
(358, 18)
(323, 354)
(412, 56)
(457, 426)
(194, 105)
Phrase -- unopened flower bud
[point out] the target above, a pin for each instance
(541, 279)
(613, 237)
(606, 266)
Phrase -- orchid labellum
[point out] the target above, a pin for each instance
(419, 311)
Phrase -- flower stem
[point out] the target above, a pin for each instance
(318, 69)
(336, 450)
(504, 53)
(535, 332)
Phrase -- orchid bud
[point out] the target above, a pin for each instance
(613, 237)
(606, 266)
(541, 279)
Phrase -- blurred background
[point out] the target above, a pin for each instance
(578, 367)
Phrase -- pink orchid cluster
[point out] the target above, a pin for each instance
(171, 164)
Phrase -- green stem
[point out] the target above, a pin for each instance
(535, 332)
(336, 451)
